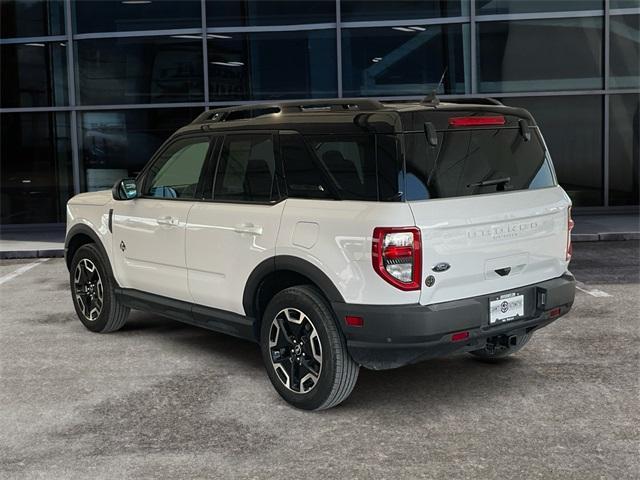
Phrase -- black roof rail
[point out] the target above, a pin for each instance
(473, 100)
(252, 111)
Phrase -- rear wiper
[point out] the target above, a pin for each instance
(500, 182)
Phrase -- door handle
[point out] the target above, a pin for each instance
(171, 221)
(248, 228)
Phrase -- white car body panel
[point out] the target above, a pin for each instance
(92, 209)
(525, 231)
(224, 243)
(153, 232)
(342, 250)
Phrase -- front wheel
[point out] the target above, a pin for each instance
(93, 294)
(304, 352)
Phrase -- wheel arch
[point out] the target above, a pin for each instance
(280, 272)
(78, 236)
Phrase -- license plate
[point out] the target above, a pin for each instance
(506, 308)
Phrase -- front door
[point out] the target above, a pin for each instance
(149, 231)
(236, 228)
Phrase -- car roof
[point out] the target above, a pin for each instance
(349, 116)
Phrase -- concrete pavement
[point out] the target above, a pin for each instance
(164, 400)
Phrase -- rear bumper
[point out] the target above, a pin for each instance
(396, 335)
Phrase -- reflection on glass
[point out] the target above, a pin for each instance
(624, 149)
(32, 18)
(140, 70)
(34, 75)
(572, 128)
(114, 16)
(533, 55)
(232, 13)
(118, 144)
(362, 10)
(491, 7)
(625, 51)
(36, 178)
(272, 65)
(403, 60)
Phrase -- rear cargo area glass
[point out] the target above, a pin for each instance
(474, 161)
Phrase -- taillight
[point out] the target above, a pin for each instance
(397, 257)
(476, 121)
(570, 225)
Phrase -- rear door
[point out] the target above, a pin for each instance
(235, 228)
(489, 209)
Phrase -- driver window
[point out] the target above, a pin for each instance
(177, 172)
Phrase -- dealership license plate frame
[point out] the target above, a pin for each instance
(506, 308)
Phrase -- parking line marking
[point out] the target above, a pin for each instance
(594, 292)
(21, 270)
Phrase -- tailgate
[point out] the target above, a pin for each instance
(492, 242)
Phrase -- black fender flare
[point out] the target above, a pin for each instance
(82, 229)
(290, 263)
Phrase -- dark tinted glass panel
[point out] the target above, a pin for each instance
(474, 162)
(139, 70)
(118, 144)
(33, 18)
(624, 149)
(403, 60)
(272, 65)
(625, 51)
(266, 12)
(36, 178)
(304, 176)
(34, 74)
(246, 169)
(525, 6)
(572, 128)
(176, 173)
(115, 16)
(361, 10)
(532, 55)
(624, 3)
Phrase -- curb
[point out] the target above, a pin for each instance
(604, 237)
(13, 254)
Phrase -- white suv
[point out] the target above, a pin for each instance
(336, 234)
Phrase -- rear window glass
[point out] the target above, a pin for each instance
(473, 162)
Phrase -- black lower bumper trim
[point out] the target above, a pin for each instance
(393, 336)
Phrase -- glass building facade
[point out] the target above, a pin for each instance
(90, 89)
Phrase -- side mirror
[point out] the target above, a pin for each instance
(431, 134)
(125, 189)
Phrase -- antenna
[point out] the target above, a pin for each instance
(432, 98)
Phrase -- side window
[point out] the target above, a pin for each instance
(246, 168)
(304, 177)
(176, 173)
(351, 162)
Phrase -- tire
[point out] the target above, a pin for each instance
(497, 354)
(299, 337)
(90, 278)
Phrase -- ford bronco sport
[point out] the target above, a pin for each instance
(335, 234)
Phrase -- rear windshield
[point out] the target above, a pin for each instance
(474, 161)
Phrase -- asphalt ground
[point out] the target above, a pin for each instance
(160, 399)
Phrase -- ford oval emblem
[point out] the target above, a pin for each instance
(441, 267)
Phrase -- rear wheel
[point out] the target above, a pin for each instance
(304, 352)
(501, 348)
(92, 290)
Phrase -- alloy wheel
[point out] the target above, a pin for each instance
(88, 289)
(295, 350)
